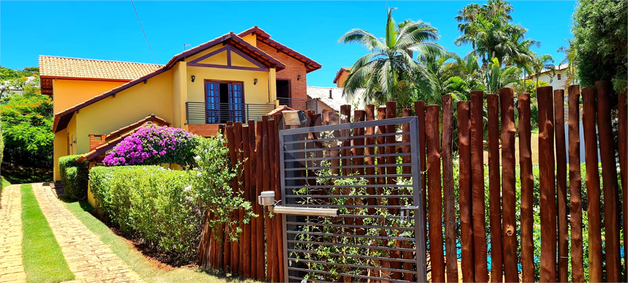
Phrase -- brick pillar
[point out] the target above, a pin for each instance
(95, 141)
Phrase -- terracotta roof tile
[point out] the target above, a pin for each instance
(53, 66)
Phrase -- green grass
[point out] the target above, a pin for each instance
(136, 261)
(5, 183)
(41, 254)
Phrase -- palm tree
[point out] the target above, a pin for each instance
(496, 76)
(540, 64)
(388, 72)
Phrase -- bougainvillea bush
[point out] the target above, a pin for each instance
(152, 145)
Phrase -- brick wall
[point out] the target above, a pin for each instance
(95, 141)
(294, 68)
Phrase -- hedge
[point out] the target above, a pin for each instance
(154, 205)
(74, 176)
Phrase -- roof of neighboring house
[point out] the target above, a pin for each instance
(279, 109)
(63, 118)
(556, 68)
(55, 66)
(337, 98)
(339, 72)
(262, 36)
(122, 133)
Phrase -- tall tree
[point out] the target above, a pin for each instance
(387, 72)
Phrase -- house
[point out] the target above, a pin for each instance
(556, 79)
(235, 77)
(341, 76)
(331, 98)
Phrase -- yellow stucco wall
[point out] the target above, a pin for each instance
(68, 93)
(251, 39)
(128, 106)
(179, 94)
(60, 146)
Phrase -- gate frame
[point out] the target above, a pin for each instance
(419, 231)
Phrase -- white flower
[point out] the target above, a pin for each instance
(199, 174)
(188, 188)
(197, 158)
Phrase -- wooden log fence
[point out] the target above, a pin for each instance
(490, 230)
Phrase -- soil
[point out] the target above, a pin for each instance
(154, 258)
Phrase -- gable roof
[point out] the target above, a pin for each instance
(121, 134)
(66, 67)
(63, 118)
(310, 65)
(334, 98)
(339, 72)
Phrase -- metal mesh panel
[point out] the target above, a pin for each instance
(374, 182)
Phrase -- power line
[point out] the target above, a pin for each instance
(145, 37)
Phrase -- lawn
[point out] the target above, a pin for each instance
(148, 271)
(41, 254)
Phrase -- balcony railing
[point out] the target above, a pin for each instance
(200, 113)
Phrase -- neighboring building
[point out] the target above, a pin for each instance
(235, 77)
(341, 76)
(557, 79)
(331, 98)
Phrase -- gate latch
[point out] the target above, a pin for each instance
(405, 213)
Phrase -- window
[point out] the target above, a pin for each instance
(558, 77)
(224, 101)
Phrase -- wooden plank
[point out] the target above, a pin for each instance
(434, 198)
(274, 138)
(236, 254)
(509, 199)
(494, 188)
(391, 112)
(477, 185)
(561, 185)
(623, 163)
(527, 189)
(228, 258)
(467, 264)
(593, 185)
(272, 154)
(381, 171)
(547, 190)
(270, 231)
(245, 260)
(448, 189)
(253, 196)
(419, 110)
(575, 185)
(609, 182)
(370, 151)
(407, 169)
(345, 117)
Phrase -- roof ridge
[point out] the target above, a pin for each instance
(101, 60)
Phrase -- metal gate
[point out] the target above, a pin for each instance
(368, 171)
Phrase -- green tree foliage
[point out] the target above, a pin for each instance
(600, 42)
(27, 128)
(387, 72)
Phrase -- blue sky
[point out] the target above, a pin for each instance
(110, 30)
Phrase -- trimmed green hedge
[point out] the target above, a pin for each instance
(154, 205)
(74, 176)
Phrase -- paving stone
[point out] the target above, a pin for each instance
(88, 257)
(11, 266)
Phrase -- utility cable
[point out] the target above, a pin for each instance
(145, 37)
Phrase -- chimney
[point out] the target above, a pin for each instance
(330, 97)
(96, 141)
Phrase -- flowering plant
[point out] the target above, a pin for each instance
(153, 145)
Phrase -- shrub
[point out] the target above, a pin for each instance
(153, 145)
(74, 176)
(154, 205)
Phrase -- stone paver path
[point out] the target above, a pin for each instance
(88, 257)
(11, 268)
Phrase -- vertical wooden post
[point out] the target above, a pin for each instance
(494, 188)
(407, 169)
(575, 185)
(448, 189)
(391, 112)
(465, 196)
(272, 151)
(279, 226)
(358, 116)
(228, 261)
(561, 185)
(609, 182)
(527, 189)
(369, 160)
(478, 191)
(506, 96)
(270, 231)
(235, 246)
(245, 260)
(623, 164)
(345, 117)
(419, 110)
(547, 190)
(259, 187)
(435, 197)
(381, 171)
(593, 185)
(253, 195)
